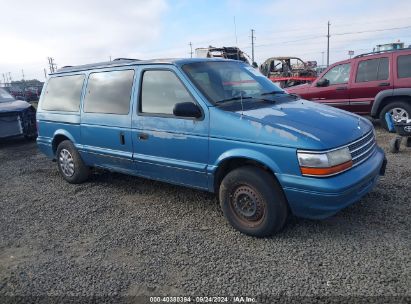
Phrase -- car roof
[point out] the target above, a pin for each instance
(381, 53)
(131, 62)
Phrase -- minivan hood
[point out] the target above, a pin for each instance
(13, 106)
(301, 124)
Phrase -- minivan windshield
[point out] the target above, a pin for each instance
(5, 96)
(223, 81)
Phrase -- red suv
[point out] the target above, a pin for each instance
(370, 84)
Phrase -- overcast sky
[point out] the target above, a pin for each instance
(78, 32)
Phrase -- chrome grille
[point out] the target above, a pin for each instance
(362, 148)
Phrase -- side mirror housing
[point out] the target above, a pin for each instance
(323, 82)
(187, 109)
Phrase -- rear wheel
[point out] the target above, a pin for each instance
(399, 110)
(70, 164)
(253, 202)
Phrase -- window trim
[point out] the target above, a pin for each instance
(163, 115)
(378, 69)
(81, 94)
(130, 102)
(398, 57)
(349, 74)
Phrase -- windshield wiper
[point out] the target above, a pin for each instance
(272, 93)
(234, 98)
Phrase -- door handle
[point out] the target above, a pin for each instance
(122, 138)
(143, 136)
(384, 84)
(341, 88)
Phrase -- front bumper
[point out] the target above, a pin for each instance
(319, 198)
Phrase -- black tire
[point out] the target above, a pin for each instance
(395, 144)
(406, 106)
(70, 164)
(253, 201)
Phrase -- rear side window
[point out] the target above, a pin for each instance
(63, 93)
(109, 92)
(372, 70)
(161, 91)
(404, 66)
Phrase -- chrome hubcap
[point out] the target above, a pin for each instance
(399, 115)
(66, 162)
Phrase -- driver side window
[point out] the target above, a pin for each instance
(161, 90)
(338, 74)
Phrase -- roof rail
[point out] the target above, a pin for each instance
(381, 52)
(117, 59)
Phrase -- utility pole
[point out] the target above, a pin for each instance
(22, 73)
(45, 73)
(191, 49)
(252, 45)
(322, 58)
(10, 79)
(328, 44)
(4, 79)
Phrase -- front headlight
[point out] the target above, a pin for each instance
(324, 164)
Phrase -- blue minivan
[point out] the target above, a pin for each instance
(211, 124)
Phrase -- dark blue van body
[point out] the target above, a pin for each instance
(269, 131)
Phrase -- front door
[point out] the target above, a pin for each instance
(336, 92)
(106, 120)
(166, 147)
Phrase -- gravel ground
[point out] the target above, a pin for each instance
(117, 235)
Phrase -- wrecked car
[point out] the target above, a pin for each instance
(232, 52)
(17, 117)
(288, 71)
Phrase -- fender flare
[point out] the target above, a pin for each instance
(247, 154)
(387, 93)
(64, 133)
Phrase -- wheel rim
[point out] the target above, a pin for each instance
(66, 162)
(399, 115)
(247, 206)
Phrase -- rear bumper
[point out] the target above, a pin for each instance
(316, 198)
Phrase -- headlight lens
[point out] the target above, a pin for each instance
(324, 164)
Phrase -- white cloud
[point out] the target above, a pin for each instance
(74, 32)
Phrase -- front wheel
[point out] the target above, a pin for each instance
(399, 110)
(70, 164)
(253, 202)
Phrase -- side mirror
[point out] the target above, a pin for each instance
(255, 65)
(323, 82)
(187, 109)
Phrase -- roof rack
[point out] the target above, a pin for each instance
(381, 52)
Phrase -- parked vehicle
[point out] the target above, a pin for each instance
(369, 84)
(211, 124)
(17, 117)
(289, 71)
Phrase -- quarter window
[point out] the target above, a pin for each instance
(109, 92)
(338, 74)
(404, 66)
(372, 70)
(161, 91)
(63, 93)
